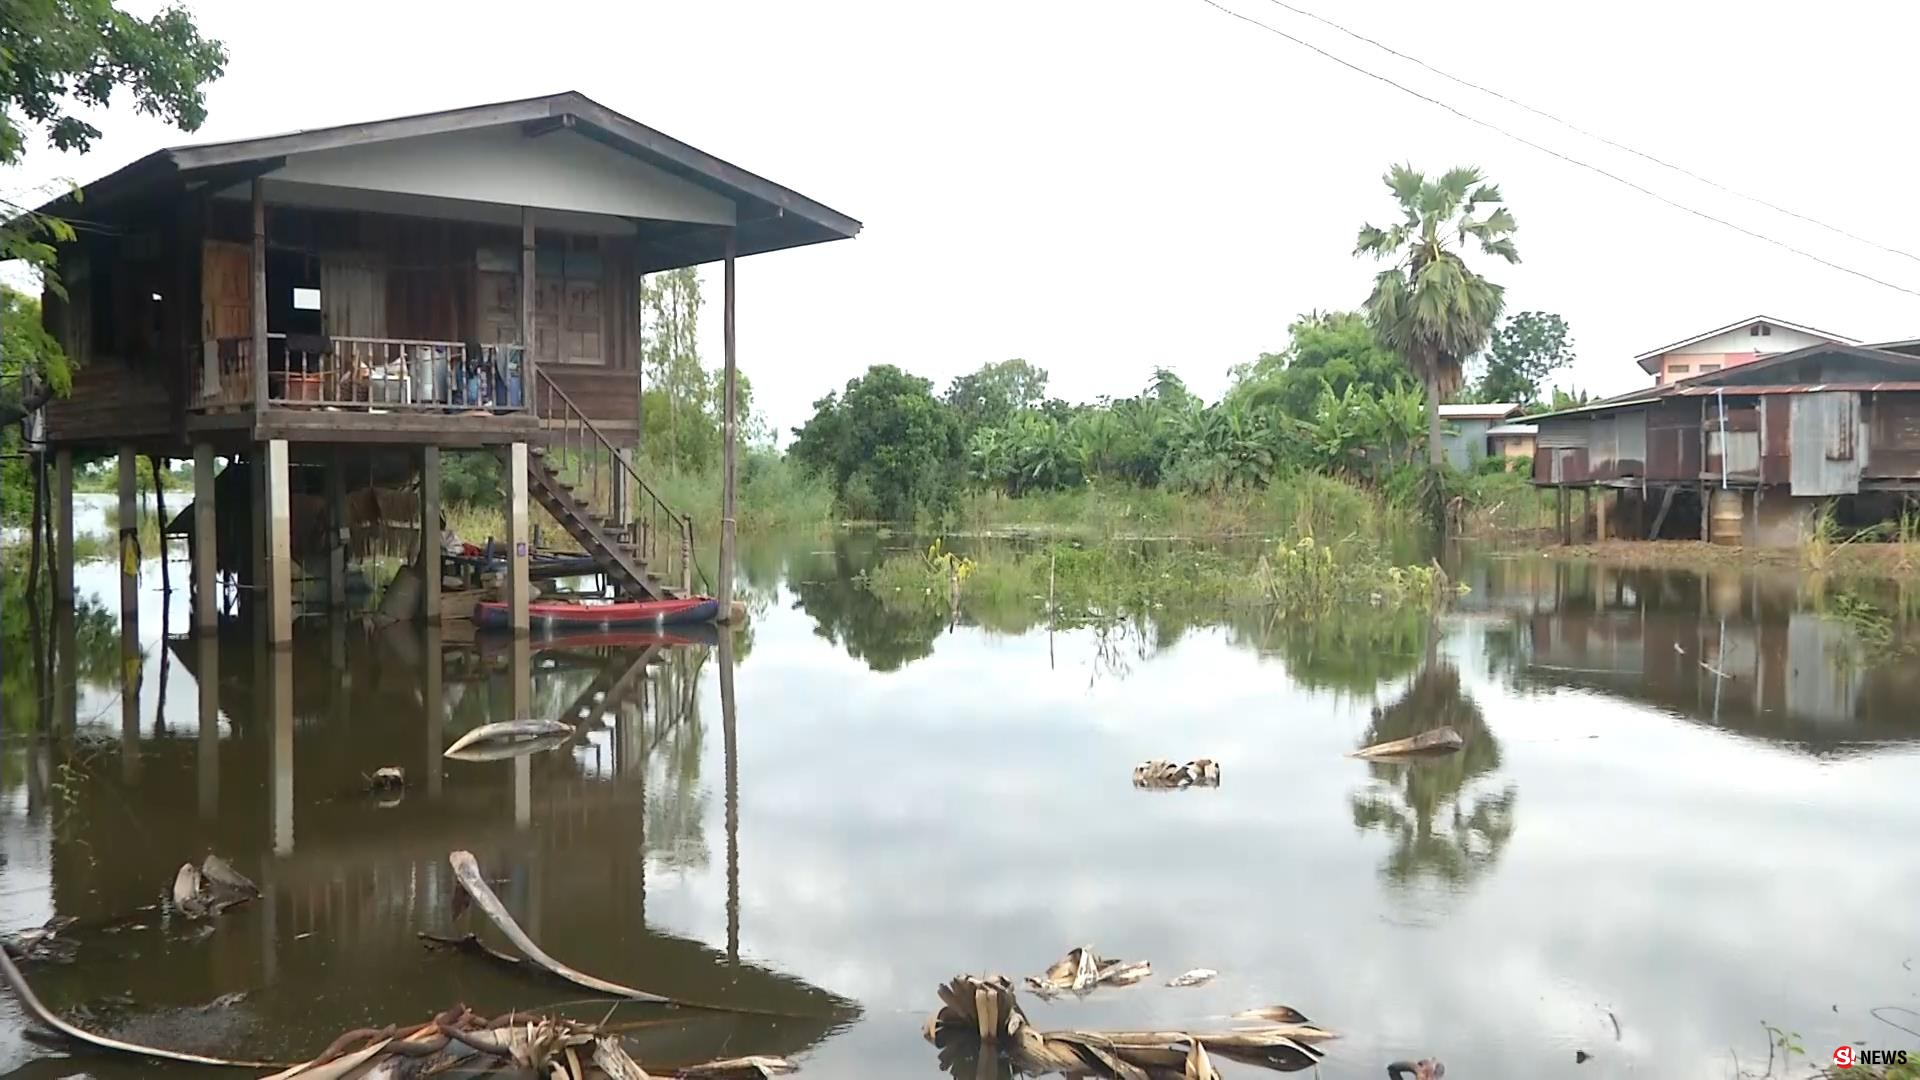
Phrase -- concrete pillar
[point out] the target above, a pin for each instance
(520, 691)
(432, 694)
(207, 671)
(206, 543)
(130, 665)
(430, 531)
(129, 542)
(519, 542)
(337, 531)
(279, 582)
(279, 674)
(62, 511)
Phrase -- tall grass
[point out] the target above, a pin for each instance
(1303, 504)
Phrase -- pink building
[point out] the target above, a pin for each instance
(1731, 346)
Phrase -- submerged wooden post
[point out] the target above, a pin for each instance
(129, 540)
(430, 533)
(279, 545)
(259, 289)
(206, 541)
(729, 434)
(433, 701)
(280, 701)
(519, 587)
(62, 510)
(337, 530)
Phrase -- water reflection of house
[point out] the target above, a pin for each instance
(1729, 650)
(570, 838)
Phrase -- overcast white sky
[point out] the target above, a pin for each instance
(1103, 187)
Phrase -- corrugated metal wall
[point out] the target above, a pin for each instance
(1826, 443)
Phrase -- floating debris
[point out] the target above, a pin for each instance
(501, 751)
(1082, 969)
(387, 778)
(1441, 740)
(1424, 1069)
(981, 1013)
(519, 733)
(1195, 977)
(42, 945)
(1200, 772)
(211, 888)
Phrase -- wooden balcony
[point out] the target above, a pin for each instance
(364, 389)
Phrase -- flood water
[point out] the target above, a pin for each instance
(1688, 805)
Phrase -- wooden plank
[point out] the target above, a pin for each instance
(459, 430)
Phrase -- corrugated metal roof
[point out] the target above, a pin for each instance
(1515, 429)
(1799, 388)
(1498, 410)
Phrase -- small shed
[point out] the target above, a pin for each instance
(1463, 437)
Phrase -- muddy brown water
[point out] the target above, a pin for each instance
(1634, 857)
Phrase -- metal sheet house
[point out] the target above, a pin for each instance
(1751, 451)
(466, 278)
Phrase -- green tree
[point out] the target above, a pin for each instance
(680, 432)
(60, 56)
(1331, 349)
(1429, 306)
(891, 449)
(1524, 353)
(992, 395)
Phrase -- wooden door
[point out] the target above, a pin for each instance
(226, 290)
(497, 306)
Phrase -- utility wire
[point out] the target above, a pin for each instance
(1594, 135)
(1589, 166)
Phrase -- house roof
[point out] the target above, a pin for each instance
(1498, 410)
(769, 216)
(1645, 359)
(1740, 379)
(1514, 430)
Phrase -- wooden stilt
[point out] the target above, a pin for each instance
(519, 587)
(63, 526)
(430, 534)
(730, 436)
(129, 540)
(160, 512)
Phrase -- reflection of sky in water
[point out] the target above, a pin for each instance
(971, 811)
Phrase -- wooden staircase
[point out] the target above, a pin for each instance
(590, 486)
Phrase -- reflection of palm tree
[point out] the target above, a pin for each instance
(1443, 824)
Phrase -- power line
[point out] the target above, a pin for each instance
(1589, 166)
(1596, 136)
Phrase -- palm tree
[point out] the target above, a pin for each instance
(1428, 306)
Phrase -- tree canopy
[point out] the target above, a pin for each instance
(995, 392)
(1325, 350)
(891, 449)
(59, 56)
(1524, 353)
(1429, 306)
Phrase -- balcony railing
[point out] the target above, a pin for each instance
(361, 373)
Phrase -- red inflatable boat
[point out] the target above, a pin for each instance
(560, 615)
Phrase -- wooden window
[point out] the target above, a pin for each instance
(1704, 368)
(1677, 369)
(568, 302)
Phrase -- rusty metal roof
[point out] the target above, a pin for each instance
(1799, 388)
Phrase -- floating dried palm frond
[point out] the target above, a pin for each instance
(1200, 772)
(1082, 969)
(981, 1013)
